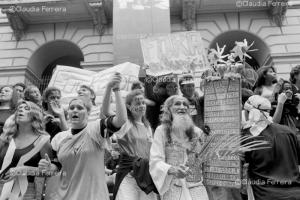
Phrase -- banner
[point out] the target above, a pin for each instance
(69, 79)
(176, 52)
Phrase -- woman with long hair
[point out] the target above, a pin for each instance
(265, 85)
(23, 144)
(33, 94)
(174, 167)
(54, 114)
(80, 151)
(133, 181)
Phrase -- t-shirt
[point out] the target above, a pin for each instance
(82, 159)
(275, 169)
(135, 140)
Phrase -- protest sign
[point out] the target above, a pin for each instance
(222, 113)
(176, 52)
(69, 79)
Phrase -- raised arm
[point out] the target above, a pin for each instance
(279, 108)
(105, 108)
(121, 114)
(60, 112)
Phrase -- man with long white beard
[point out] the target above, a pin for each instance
(173, 163)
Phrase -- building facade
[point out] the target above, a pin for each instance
(37, 35)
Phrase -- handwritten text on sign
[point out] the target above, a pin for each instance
(222, 104)
(174, 52)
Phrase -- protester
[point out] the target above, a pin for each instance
(196, 108)
(140, 86)
(24, 143)
(133, 181)
(273, 171)
(80, 151)
(88, 92)
(173, 144)
(33, 94)
(295, 78)
(19, 88)
(54, 114)
(286, 112)
(6, 105)
(266, 83)
(172, 88)
(158, 94)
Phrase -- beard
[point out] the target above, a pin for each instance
(180, 124)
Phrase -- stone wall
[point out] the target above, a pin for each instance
(283, 42)
(15, 55)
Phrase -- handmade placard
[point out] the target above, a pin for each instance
(222, 113)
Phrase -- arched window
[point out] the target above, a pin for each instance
(48, 56)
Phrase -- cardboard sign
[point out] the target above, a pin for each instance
(176, 52)
(222, 113)
(69, 79)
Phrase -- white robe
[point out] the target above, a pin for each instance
(168, 186)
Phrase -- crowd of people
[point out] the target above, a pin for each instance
(156, 130)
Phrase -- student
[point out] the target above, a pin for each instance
(89, 93)
(80, 151)
(54, 115)
(266, 83)
(134, 140)
(24, 143)
(33, 94)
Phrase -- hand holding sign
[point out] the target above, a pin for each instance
(115, 81)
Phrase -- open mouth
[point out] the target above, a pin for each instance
(75, 117)
(181, 112)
